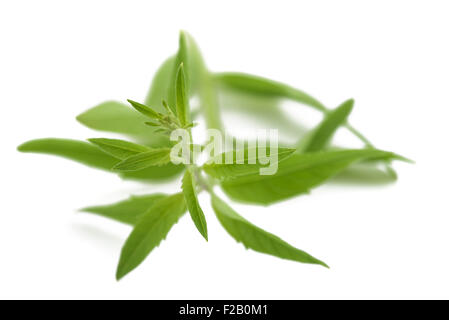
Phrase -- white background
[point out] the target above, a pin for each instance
(58, 58)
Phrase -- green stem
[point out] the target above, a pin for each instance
(359, 135)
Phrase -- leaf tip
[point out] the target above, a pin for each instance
(122, 269)
(26, 146)
(21, 148)
(402, 158)
(204, 234)
(119, 274)
(83, 118)
(79, 117)
(348, 105)
(182, 34)
(132, 102)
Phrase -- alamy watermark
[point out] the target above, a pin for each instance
(261, 148)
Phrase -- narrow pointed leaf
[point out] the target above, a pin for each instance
(117, 117)
(189, 191)
(224, 171)
(127, 211)
(332, 121)
(255, 238)
(119, 149)
(182, 102)
(152, 227)
(145, 110)
(79, 151)
(298, 174)
(155, 157)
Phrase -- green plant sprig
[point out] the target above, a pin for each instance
(302, 167)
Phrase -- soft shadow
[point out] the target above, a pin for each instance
(96, 235)
(363, 175)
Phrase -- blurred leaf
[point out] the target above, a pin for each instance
(80, 151)
(265, 87)
(258, 86)
(255, 238)
(225, 171)
(297, 175)
(261, 111)
(127, 211)
(189, 191)
(160, 85)
(182, 102)
(117, 117)
(119, 149)
(324, 132)
(144, 160)
(150, 230)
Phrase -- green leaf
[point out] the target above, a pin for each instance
(117, 117)
(93, 156)
(79, 151)
(127, 211)
(199, 81)
(119, 149)
(225, 171)
(326, 129)
(189, 191)
(298, 174)
(145, 110)
(182, 102)
(144, 160)
(150, 230)
(265, 87)
(255, 238)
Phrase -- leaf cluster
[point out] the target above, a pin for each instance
(145, 155)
